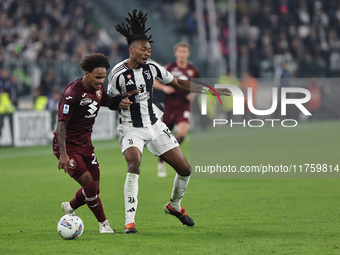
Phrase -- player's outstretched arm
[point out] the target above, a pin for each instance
(61, 138)
(113, 102)
(194, 87)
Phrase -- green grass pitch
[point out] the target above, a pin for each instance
(232, 216)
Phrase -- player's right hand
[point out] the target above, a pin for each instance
(64, 162)
(125, 104)
(130, 93)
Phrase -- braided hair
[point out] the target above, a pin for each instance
(135, 29)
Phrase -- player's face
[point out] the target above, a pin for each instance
(140, 52)
(95, 79)
(182, 54)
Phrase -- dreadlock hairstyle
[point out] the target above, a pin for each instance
(135, 29)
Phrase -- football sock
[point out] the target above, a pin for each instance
(130, 197)
(93, 201)
(180, 185)
(79, 199)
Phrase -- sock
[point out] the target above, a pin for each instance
(79, 199)
(180, 185)
(130, 197)
(93, 201)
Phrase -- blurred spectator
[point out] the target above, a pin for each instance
(6, 105)
(40, 100)
(248, 81)
(5, 82)
(53, 99)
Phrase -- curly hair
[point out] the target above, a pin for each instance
(94, 60)
(135, 28)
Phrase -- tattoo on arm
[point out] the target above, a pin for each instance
(61, 135)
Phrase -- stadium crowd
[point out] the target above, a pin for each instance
(304, 32)
(42, 42)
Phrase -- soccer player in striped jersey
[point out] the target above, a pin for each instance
(141, 125)
(177, 102)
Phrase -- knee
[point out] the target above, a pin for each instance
(133, 166)
(185, 170)
(90, 189)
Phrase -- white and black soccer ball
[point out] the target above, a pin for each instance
(70, 226)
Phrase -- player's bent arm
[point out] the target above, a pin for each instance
(61, 139)
(160, 86)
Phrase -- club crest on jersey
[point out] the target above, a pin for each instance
(72, 164)
(66, 109)
(99, 94)
(147, 74)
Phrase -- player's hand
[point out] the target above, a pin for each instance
(168, 90)
(223, 92)
(64, 162)
(125, 104)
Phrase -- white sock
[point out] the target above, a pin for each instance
(130, 197)
(180, 185)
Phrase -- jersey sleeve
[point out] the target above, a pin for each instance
(113, 87)
(160, 72)
(67, 104)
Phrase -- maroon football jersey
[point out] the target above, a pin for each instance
(178, 99)
(79, 106)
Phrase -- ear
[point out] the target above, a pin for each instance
(131, 49)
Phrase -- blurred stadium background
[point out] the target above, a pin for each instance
(42, 42)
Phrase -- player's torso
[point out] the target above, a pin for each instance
(142, 111)
(79, 106)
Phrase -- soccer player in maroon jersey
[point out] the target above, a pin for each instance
(177, 102)
(72, 145)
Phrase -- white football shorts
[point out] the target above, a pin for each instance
(157, 138)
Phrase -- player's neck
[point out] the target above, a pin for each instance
(182, 64)
(133, 64)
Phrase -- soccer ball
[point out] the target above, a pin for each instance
(70, 226)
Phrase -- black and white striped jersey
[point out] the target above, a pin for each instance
(143, 111)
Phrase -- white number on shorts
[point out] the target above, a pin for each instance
(94, 161)
(167, 132)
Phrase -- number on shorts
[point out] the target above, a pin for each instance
(167, 132)
(94, 161)
(130, 141)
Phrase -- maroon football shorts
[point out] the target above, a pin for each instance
(172, 118)
(81, 160)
